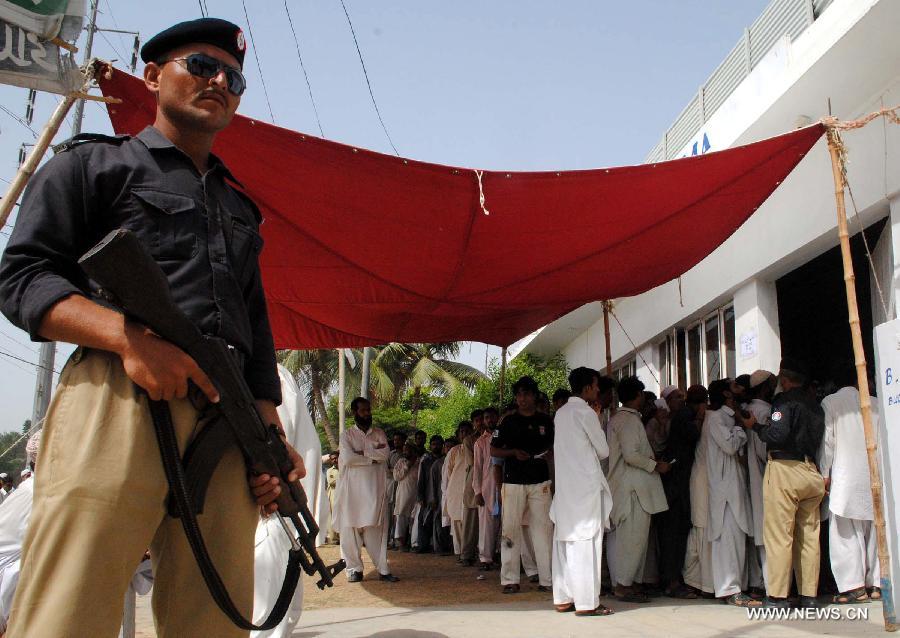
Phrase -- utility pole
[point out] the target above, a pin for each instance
(366, 366)
(44, 384)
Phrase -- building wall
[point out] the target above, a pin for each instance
(851, 56)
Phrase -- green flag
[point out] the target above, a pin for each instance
(43, 17)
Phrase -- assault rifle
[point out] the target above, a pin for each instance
(133, 281)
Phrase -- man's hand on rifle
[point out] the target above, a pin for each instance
(159, 367)
(266, 488)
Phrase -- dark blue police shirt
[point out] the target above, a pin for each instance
(200, 230)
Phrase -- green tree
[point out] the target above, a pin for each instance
(13, 461)
(549, 373)
(402, 367)
(316, 371)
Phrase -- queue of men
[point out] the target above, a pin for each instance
(715, 492)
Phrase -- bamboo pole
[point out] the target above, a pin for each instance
(609, 369)
(835, 147)
(43, 142)
(34, 158)
(502, 377)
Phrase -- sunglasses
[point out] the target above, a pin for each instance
(206, 67)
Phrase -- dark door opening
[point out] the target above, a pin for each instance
(812, 308)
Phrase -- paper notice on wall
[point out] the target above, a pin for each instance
(887, 358)
(749, 344)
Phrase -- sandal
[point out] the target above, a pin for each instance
(852, 597)
(565, 607)
(600, 610)
(741, 600)
(874, 593)
(511, 589)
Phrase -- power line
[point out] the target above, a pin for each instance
(19, 120)
(202, 8)
(258, 65)
(303, 68)
(368, 84)
(12, 356)
(114, 48)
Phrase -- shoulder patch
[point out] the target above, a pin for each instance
(85, 138)
(776, 416)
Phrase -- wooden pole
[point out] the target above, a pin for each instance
(609, 369)
(342, 383)
(835, 147)
(502, 378)
(34, 158)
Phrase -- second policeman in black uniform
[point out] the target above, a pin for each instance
(793, 488)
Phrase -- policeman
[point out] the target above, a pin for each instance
(793, 488)
(101, 500)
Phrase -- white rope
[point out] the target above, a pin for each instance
(478, 174)
(34, 428)
(634, 346)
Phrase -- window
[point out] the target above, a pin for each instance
(711, 347)
(728, 341)
(680, 357)
(700, 354)
(626, 370)
(662, 352)
(695, 354)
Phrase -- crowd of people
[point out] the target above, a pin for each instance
(715, 492)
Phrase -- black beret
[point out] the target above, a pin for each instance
(798, 367)
(215, 31)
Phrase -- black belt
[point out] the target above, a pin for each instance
(781, 455)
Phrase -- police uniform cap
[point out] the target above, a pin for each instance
(215, 31)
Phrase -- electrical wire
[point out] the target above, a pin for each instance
(258, 65)
(303, 68)
(368, 83)
(10, 355)
(19, 120)
(202, 10)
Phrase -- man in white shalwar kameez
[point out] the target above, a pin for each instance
(485, 487)
(272, 543)
(582, 500)
(843, 462)
(636, 488)
(729, 497)
(14, 516)
(361, 494)
(762, 389)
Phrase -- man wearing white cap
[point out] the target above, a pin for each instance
(842, 461)
(5, 486)
(762, 389)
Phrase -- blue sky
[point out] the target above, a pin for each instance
(507, 84)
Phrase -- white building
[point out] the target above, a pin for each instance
(776, 286)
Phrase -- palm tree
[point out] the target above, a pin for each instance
(316, 372)
(399, 367)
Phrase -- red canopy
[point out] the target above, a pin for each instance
(363, 248)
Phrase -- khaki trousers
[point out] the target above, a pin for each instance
(99, 503)
(529, 504)
(792, 493)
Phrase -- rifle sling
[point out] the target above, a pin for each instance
(180, 496)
